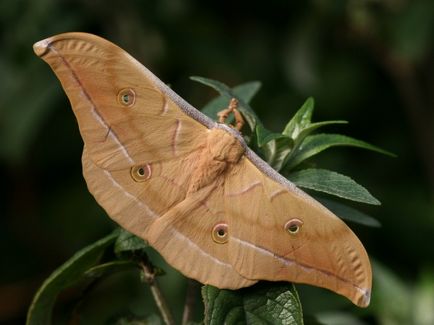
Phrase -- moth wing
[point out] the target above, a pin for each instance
(135, 205)
(126, 115)
(183, 236)
(153, 128)
(323, 252)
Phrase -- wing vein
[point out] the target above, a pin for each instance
(152, 213)
(308, 268)
(94, 109)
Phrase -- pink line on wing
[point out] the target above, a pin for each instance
(276, 193)
(175, 136)
(94, 110)
(149, 168)
(165, 106)
(246, 189)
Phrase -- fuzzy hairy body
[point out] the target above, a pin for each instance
(220, 152)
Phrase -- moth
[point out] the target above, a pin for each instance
(190, 186)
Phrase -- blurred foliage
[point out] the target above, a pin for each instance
(369, 62)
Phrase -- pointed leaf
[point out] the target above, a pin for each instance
(348, 213)
(329, 182)
(303, 134)
(264, 136)
(247, 91)
(217, 85)
(300, 120)
(317, 143)
(127, 243)
(228, 93)
(276, 152)
(109, 268)
(314, 126)
(66, 275)
(263, 303)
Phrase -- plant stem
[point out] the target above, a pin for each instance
(149, 277)
(190, 301)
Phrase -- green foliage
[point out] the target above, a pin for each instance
(88, 265)
(398, 302)
(127, 244)
(65, 276)
(346, 212)
(333, 183)
(286, 150)
(300, 125)
(108, 268)
(263, 303)
(314, 144)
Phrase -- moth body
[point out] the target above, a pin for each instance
(220, 152)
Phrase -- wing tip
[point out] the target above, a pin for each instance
(364, 299)
(41, 47)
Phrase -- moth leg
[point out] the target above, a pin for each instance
(239, 121)
(232, 108)
(224, 114)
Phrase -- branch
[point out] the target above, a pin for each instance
(149, 277)
(190, 301)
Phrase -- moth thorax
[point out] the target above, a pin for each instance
(223, 146)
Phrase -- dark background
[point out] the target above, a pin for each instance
(368, 62)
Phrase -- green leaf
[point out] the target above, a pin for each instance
(300, 120)
(66, 275)
(348, 213)
(247, 91)
(109, 268)
(276, 152)
(134, 320)
(300, 125)
(312, 127)
(263, 303)
(330, 182)
(243, 93)
(317, 143)
(128, 244)
(264, 136)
